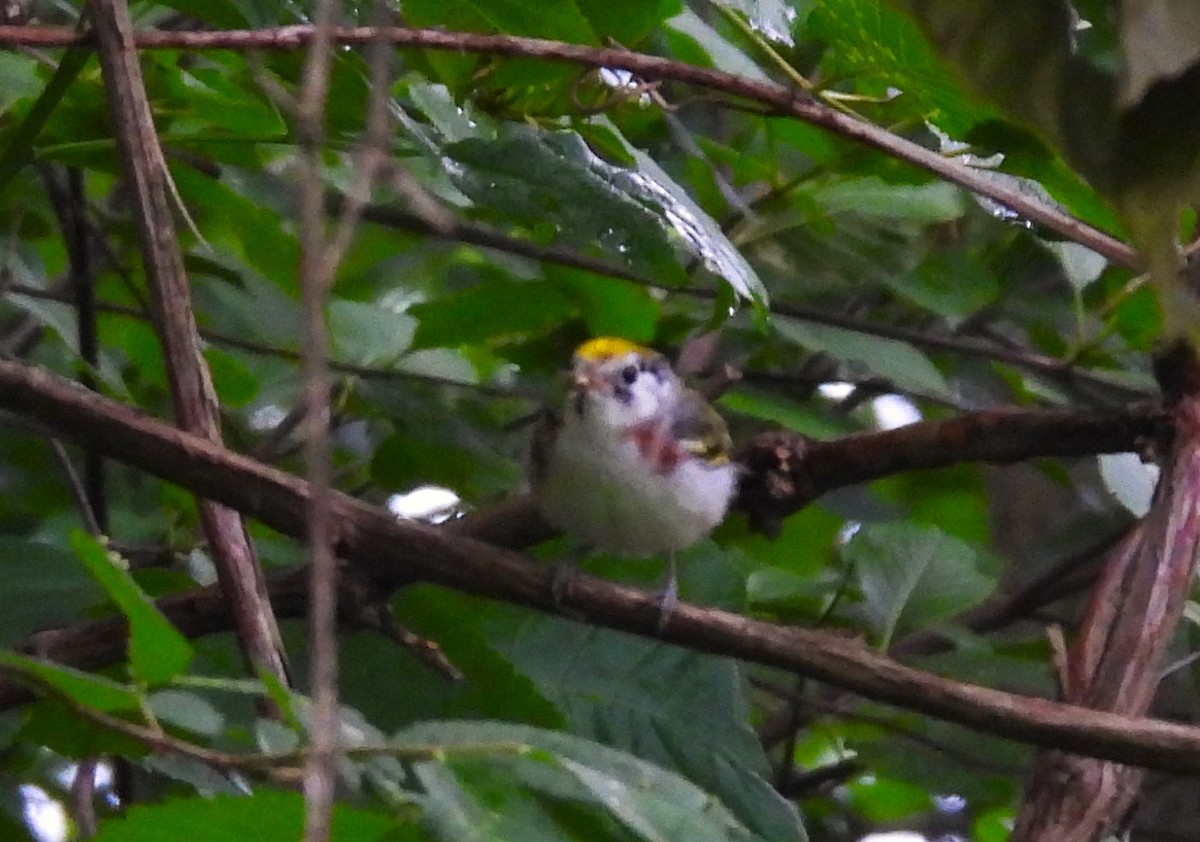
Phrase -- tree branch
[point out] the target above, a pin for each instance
(1116, 659)
(786, 471)
(395, 553)
(777, 98)
(146, 177)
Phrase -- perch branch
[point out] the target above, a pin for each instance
(394, 553)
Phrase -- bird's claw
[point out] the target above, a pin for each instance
(667, 600)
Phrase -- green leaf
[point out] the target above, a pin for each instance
(954, 286)
(1019, 56)
(778, 409)
(773, 19)
(157, 651)
(922, 204)
(898, 362)
(187, 710)
(626, 23)
(266, 815)
(81, 687)
(18, 79)
(639, 215)
(236, 386)
(648, 801)
(702, 235)
(560, 21)
(609, 307)
(722, 54)
(41, 586)
(913, 577)
(392, 688)
(490, 311)
(368, 333)
(19, 148)
(683, 710)
(880, 49)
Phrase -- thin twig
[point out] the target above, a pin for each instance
(778, 98)
(228, 340)
(316, 276)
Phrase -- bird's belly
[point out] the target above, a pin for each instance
(601, 491)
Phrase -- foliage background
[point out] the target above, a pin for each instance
(849, 288)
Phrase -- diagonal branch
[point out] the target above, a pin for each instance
(147, 181)
(395, 553)
(779, 99)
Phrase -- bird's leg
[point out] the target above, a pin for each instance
(668, 595)
(566, 570)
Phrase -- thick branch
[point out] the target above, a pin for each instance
(396, 552)
(787, 471)
(778, 98)
(146, 178)
(1115, 662)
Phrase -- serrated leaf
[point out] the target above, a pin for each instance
(899, 362)
(157, 651)
(701, 234)
(649, 801)
(682, 710)
(878, 47)
(639, 215)
(913, 576)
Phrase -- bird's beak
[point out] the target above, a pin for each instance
(584, 379)
(582, 382)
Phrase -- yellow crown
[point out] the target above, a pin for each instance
(608, 347)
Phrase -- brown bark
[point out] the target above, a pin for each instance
(394, 553)
(1115, 660)
(146, 179)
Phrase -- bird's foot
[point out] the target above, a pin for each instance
(565, 573)
(666, 600)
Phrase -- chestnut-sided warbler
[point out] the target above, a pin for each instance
(635, 463)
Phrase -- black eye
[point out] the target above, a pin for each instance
(629, 374)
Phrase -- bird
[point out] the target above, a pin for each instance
(634, 463)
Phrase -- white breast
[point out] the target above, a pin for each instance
(598, 489)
